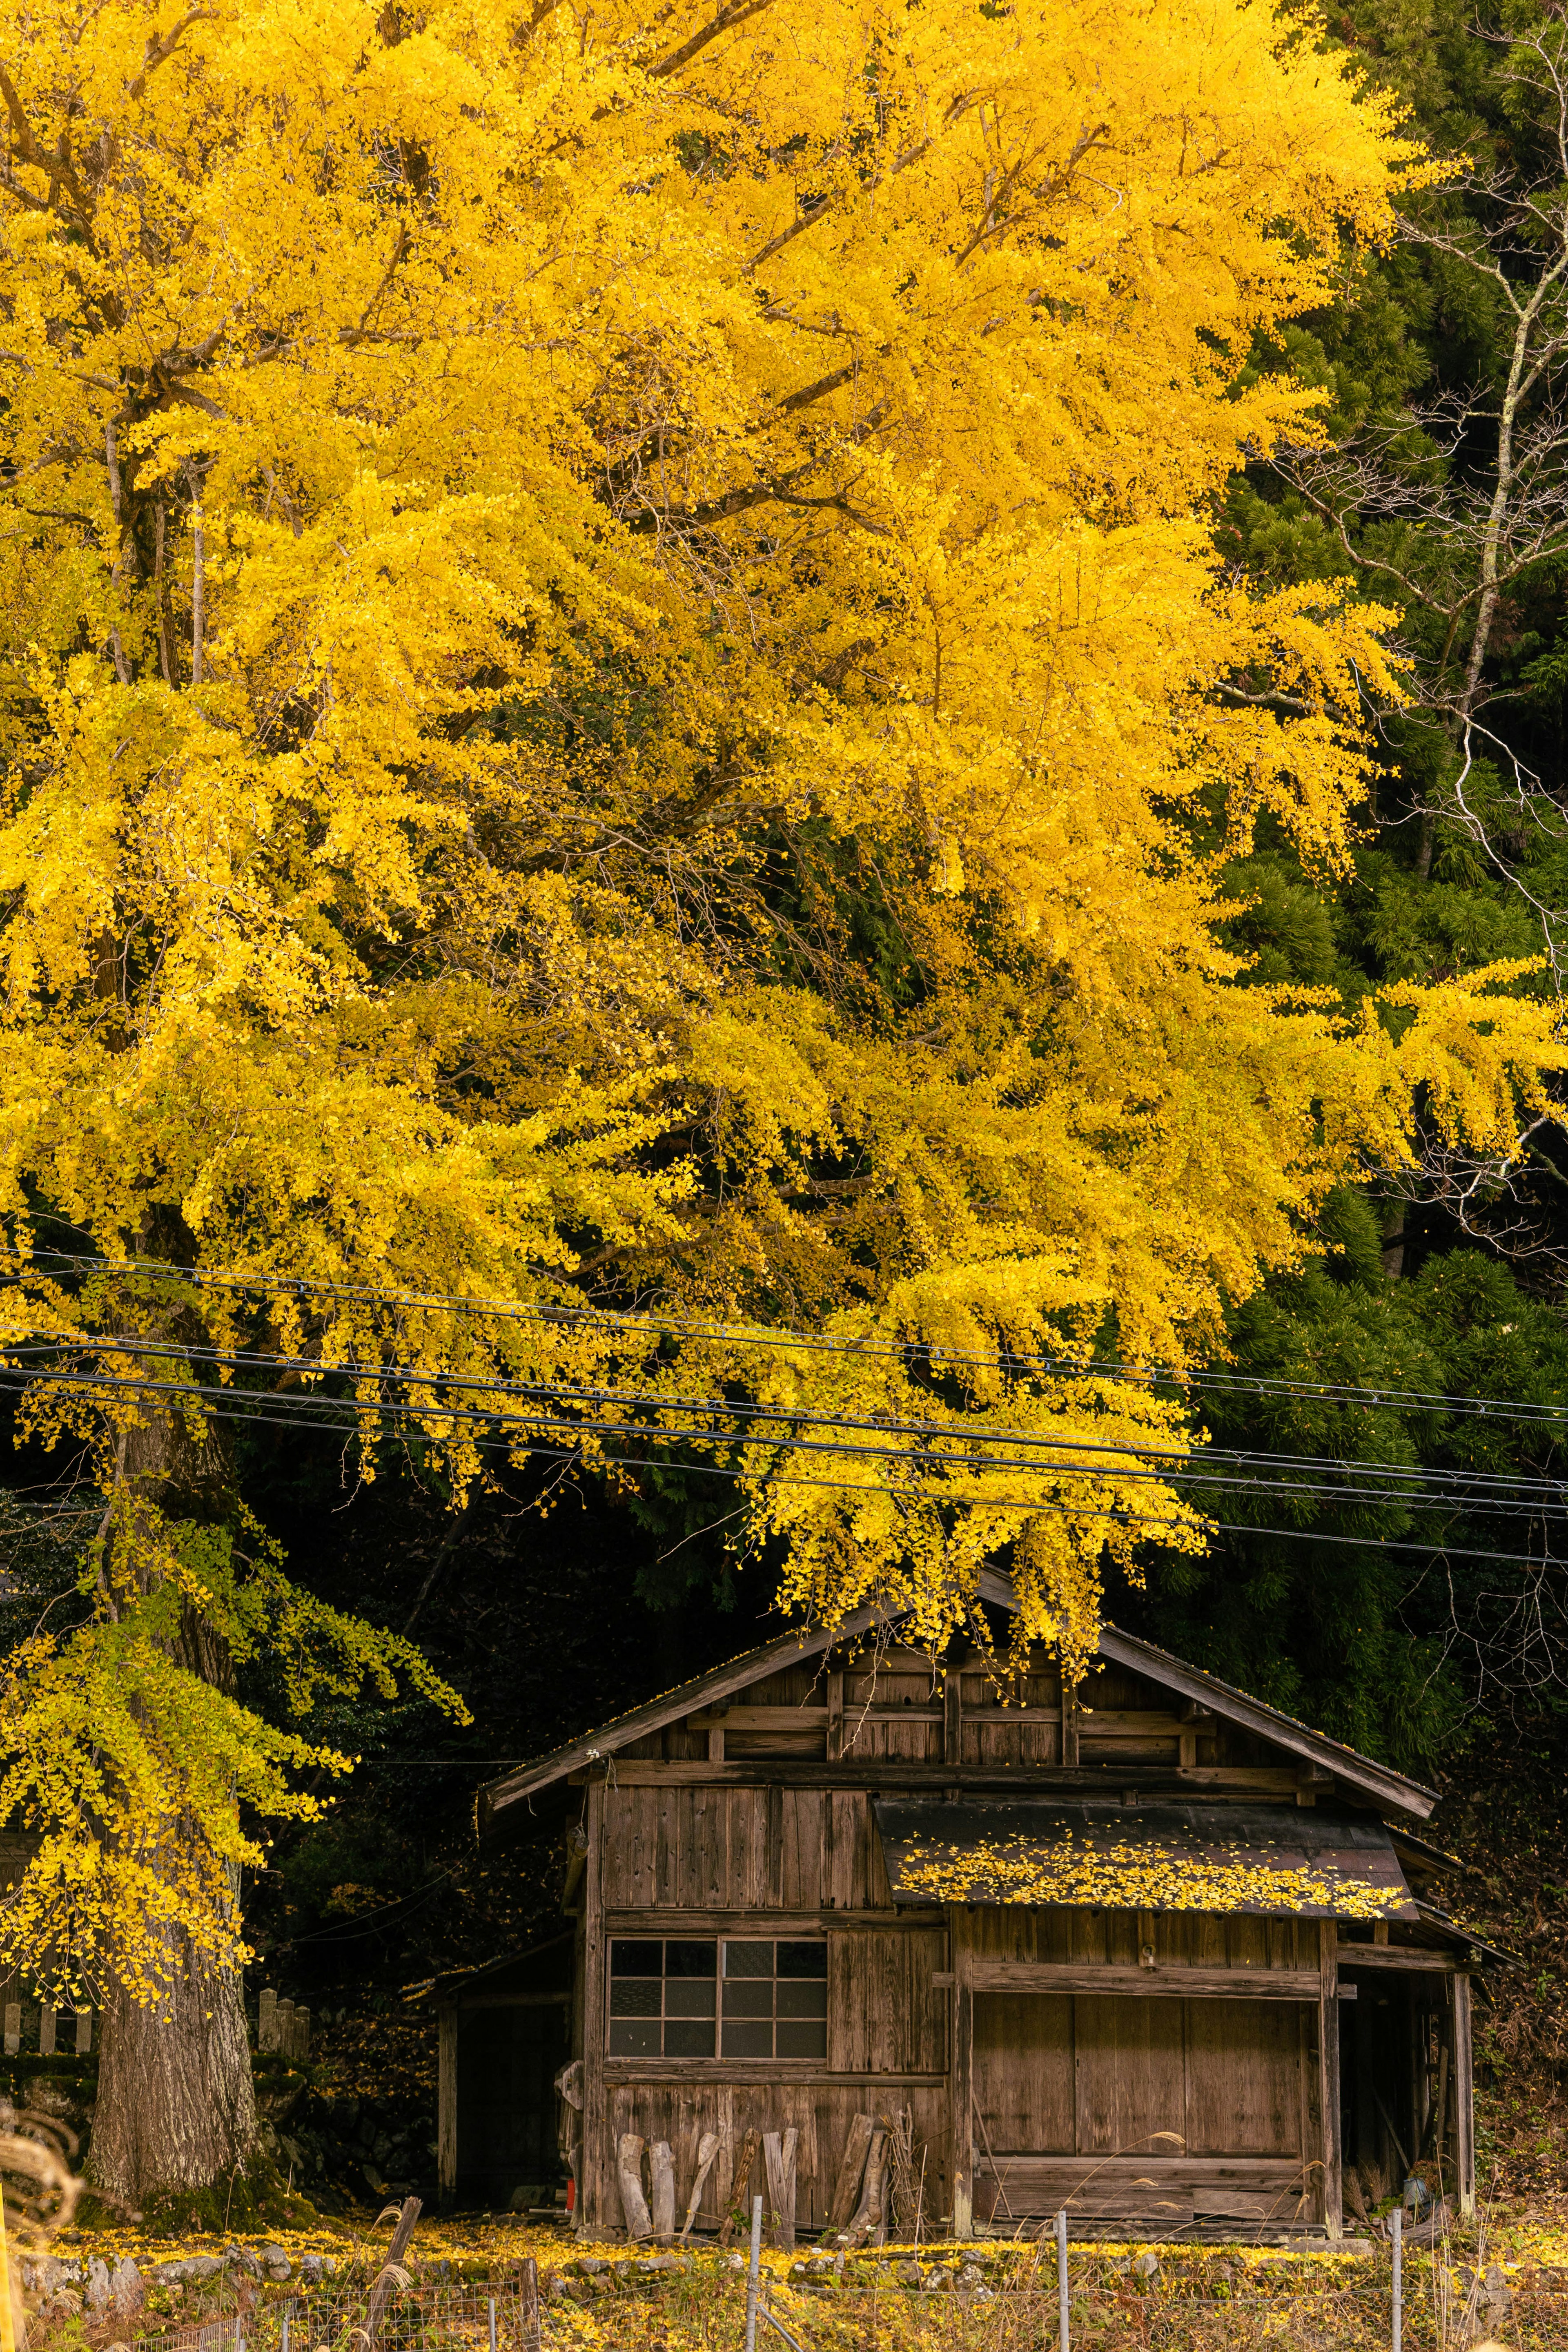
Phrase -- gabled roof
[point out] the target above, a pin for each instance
(1376, 1782)
(703, 1690)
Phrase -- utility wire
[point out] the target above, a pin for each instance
(612, 1319)
(351, 1414)
(225, 1399)
(1397, 1481)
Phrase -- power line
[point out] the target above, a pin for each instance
(1409, 1478)
(579, 1315)
(351, 1414)
(225, 1399)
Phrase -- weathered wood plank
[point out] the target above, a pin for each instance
(835, 1715)
(629, 2172)
(961, 2070)
(1464, 2098)
(1244, 2080)
(1159, 2193)
(1382, 1957)
(1129, 2076)
(882, 1772)
(591, 2187)
(852, 2169)
(1159, 1983)
(778, 2149)
(1023, 2072)
(1328, 2047)
(707, 2149)
(739, 2212)
(762, 2073)
(661, 2179)
(867, 2221)
(693, 1920)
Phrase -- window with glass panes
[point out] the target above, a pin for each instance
(775, 1999)
(758, 1997)
(661, 1997)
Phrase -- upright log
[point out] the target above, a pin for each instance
(852, 2172)
(708, 2149)
(633, 2204)
(662, 2170)
(778, 2153)
(740, 2208)
(869, 2214)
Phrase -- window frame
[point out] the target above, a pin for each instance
(717, 2057)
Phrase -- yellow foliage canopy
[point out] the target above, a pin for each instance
(529, 536)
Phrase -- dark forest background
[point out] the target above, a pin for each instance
(1434, 1638)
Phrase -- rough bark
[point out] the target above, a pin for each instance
(176, 2107)
(176, 2101)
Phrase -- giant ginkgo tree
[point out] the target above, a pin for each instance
(519, 524)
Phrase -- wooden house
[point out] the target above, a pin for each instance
(1152, 1951)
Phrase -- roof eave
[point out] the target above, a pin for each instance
(495, 1797)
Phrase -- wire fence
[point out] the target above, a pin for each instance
(1058, 2298)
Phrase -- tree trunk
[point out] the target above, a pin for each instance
(176, 2101)
(176, 2098)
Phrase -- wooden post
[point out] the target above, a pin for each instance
(870, 2216)
(953, 1715)
(773, 2168)
(753, 2271)
(531, 2302)
(835, 1717)
(1068, 1729)
(1328, 2072)
(633, 2204)
(786, 2208)
(708, 2149)
(590, 2187)
(847, 2188)
(380, 2293)
(1464, 2098)
(47, 2030)
(961, 2071)
(779, 2154)
(662, 2171)
(740, 2183)
(447, 2100)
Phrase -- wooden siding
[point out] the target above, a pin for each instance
(894, 1709)
(1088, 2076)
(884, 2015)
(691, 1847)
(821, 2113)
